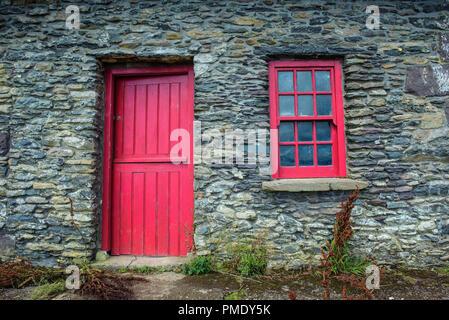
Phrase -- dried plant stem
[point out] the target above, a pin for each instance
(333, 261)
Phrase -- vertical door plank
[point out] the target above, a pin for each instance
(174, 110)
(118, 127)
(162, 213)
(164, 118)
(141, 119)
(137, 213)
(152, 118)
(125, 213)
(150, 214)
(116, 187)
(175, 232)
(128, 120)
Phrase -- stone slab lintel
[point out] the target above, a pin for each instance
(313, 184)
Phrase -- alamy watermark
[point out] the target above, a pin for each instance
(373, 20)
(229, 146)
(73, 280)
(373, 277)
(73, 19)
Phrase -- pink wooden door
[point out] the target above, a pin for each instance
(152, 198)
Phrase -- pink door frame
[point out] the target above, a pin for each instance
(108, 145)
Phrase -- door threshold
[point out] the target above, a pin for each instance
(117, 262)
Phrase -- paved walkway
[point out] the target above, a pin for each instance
(117, 262)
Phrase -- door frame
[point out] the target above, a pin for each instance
(108, 135)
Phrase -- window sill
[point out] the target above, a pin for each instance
(313, 184)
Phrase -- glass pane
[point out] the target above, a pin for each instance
(285, 81)
(323, 130)
(324, 104)
(286, 132)
(324, 154)
(305, 153)
(286, 105)
(305, 131)
(305, 105)
(304, 81)
(287, 156)
(322, 81)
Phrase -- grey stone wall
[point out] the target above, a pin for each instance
(396, 113)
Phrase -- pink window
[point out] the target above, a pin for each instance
(306, 109)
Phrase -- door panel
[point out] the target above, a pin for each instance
(147, 111)
(147, 215)
(152, 203)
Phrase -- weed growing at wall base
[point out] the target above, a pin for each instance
(253, 263)
(341, 260)
(336, 259)
(199, 265)
(248, 259)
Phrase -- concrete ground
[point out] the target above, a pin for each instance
(117, 262)
(396, 284)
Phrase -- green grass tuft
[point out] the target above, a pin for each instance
(246, 259)
(48, 291)
(236, 295)
(348, 264)
(442, 270)
(150, 269)
(198, 265)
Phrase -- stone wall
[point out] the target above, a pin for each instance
(396, 115)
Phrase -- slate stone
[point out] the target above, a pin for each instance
(446, 110)
(7, 244)
(443, 48)
(428, 80)
(4, 143)
(52, 92)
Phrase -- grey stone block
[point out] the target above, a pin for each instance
(7, 245)
(313, 184)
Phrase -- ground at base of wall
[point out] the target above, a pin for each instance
(117, 262)
(396, 285)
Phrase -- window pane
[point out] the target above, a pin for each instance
(285, 81)
(324, 154)
(305, 153)
(286, 105)
(323, 130)
(305, 131)
(324, 104)
(286, 132)
(305, 105)
(304, 81)
(287, 156)
(322, 81)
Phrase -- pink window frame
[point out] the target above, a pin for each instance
(338, 168)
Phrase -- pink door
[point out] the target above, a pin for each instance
(152, 198)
